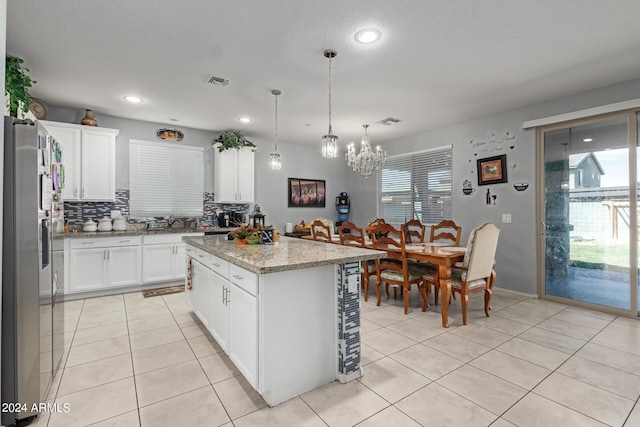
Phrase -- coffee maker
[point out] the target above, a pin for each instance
(223, 220)
(236, 218)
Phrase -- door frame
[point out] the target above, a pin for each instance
(634, 148)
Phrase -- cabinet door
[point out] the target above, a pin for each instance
(243, 333)
(178, 261)
(201, 287)
(124, 265)
(226, 176)
(219, 327)
(69, 140)
(98, 165)
(246, 175)
(158, 263)
(87, 269)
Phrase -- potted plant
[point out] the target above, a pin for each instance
(229, 140)
(17, 85)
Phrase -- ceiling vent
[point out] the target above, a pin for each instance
(389, 121)
(217, 81)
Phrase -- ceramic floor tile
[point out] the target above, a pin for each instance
(130, 419)
(534, 353)
(536, 411)
(344, 404)
(368, 355)
(477, 333)
(161, 356)
(383, 317)
(156, 337)
(85, 353)
(99, 333)
(293, 412)
(104, 300)
(502, 324)
(522, 316)
(204, 345)
(538, 306)
(597, 403)
(602, 376)
(634, 417)
(486, 390)
(552, 340)
(92, 321)
(168, 382)
(193, 329)
(610, 357)
(150, 323)
(218, 367)
(197, 408)
(367, 326)
(627, 321)
(416, 330)
(435, 406)
(623, 337)
(592, 313)
(184, 316)
(582, 318)
(107, 307)
(510, 368)
(147, 312)
(238, 397)
(426, 361)
(96, 404)
(580, 332)
(391, 380)
(456, 346)
(87, 375)
(387, 342)
(500, 422)
(390, 416)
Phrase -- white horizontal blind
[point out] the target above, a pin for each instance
(165, 179)
(416, 185)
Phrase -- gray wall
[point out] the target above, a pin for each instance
(516, 257)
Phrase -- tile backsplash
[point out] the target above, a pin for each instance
(79, 212)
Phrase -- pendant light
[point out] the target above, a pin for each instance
(275, 157)
(366, 161)
(330, 141)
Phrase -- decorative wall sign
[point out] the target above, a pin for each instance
(521, 186)
(467, 187)
(492, 170)
(306, 193)
(169, 134)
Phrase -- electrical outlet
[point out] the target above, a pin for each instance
(506, 218)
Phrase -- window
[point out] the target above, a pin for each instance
(416, 185)
(165, 179)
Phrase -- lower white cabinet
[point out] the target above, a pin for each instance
(243, 333)
(163, 257)
(219, 327)
(96, 264)
(200, 292)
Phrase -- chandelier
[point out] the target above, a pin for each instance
(275, 156)
(366, 161)
(330, 141)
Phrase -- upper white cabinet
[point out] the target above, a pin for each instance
(234, 175)
(89, 159)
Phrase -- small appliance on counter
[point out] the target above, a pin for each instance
(343, 206)
(223, 219)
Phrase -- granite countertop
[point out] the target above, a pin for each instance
(287, 254)
(143, 232)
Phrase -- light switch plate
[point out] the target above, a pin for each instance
(506, 218)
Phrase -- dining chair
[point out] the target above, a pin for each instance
(476, 274)
(352, 235)
(396, 270)
(414, 231)
(449, 232)
(320, 231)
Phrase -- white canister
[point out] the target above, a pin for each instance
(89, 226)
(119, 223)
(104, 224)
(288, 227)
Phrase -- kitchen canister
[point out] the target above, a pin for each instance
(104, 224)
(288, 227)
(90, 225)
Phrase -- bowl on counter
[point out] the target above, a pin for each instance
(90, 225)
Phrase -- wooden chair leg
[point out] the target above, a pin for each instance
(365, 283)
(487, 300)
(378, 292)
(436, 292)
(424, 291)
(386, 288)
(464, 299)
(407, 292)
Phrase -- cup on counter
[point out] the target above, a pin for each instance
(288, 227)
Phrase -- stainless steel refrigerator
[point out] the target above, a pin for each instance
(32, 324)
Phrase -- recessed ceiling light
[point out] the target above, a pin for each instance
(587, 140)
(368, 35)
(245, 120)
(133, 99)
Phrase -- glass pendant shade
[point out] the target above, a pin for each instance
(275, 156)
(275, 161)
(330, 141)
(366, 161)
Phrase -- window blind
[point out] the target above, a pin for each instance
(416, 186)
(165, 179)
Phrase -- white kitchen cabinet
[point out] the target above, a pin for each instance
(243, 333)
(103, 263)
(219, 326)
(163, 257)
(89, 159)
(234, 175)
(201, 292)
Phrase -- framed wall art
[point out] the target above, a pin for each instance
(492, 170)
(306, 193)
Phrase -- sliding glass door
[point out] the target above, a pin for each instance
(589, 224)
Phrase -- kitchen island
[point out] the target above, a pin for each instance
(288, 315)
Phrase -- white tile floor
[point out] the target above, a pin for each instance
(149, 362)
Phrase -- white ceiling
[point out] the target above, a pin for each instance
(438, 62)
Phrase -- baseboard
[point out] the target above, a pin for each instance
(119, 290)
(512, 292)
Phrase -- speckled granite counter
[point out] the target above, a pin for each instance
(143, 232)
(288, 254)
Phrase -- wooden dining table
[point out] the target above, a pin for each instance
(443, 255)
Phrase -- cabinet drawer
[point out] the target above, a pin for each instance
(244, 279)
(202, 256)
(159, 239)
(190, 251)
(105, 242)
(219, 265)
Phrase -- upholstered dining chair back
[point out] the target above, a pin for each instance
(481, 252)
(446, 231)
(351, 234)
